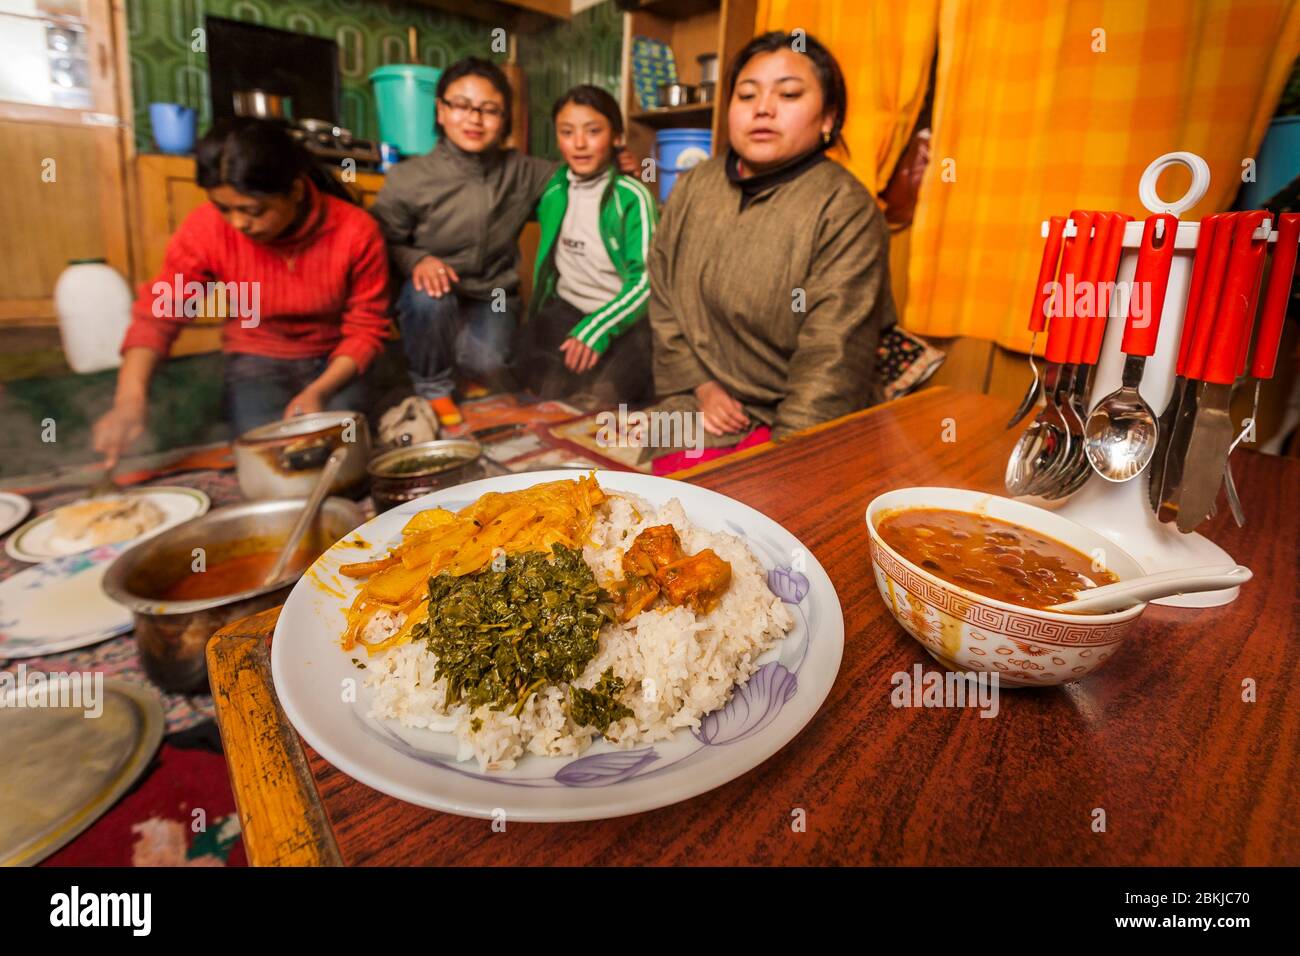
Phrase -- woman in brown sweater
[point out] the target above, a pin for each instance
(769, 273)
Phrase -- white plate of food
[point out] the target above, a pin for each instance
(13, 509)
(60, 605)
(131, 514)
(625, 673)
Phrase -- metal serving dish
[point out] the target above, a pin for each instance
(283, 459)
(173, 635)
(395, 478)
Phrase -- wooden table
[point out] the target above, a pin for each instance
(1160, 739)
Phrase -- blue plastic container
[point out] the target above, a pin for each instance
(676, 151)
(173, 127)
(1278, 162)
(407, 97)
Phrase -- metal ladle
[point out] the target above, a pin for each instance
(1120, 435)
(308, 515)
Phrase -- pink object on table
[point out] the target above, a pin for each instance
(676, 461)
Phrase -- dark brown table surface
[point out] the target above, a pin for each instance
(1187, 772)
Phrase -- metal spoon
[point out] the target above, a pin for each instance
(1120, 436)
(1038, 314)
(1150, 587)
(308, 514)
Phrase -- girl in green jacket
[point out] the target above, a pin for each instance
(586, 334)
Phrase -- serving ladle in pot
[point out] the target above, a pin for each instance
(1150, 587)
(307, 516)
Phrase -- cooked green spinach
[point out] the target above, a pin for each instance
(599, 707)
(508, 630)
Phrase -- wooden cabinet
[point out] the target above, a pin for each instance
(166, 192)
(64, 188)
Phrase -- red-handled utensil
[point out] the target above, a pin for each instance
(1212, 229)
(1276, 296)
(1045, 292)
(1120, 437)
(1212, 433)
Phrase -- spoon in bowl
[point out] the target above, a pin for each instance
(1149, 587)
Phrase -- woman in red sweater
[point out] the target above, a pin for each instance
(300, 275)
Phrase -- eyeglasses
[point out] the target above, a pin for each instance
(487, 111)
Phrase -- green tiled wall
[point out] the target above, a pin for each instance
(588, 49)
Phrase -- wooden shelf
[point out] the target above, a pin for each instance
(677, 9)
(698, 115)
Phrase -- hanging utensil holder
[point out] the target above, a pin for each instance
(1119, 510)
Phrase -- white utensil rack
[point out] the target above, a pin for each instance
(1120, 510)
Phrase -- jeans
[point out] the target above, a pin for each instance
(450, 334)
(258, 388)
(622, 374)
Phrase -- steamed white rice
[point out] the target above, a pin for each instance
(676, 666)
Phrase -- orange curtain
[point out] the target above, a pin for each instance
(1041, 107)
(885, 50)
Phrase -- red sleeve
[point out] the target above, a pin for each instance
(157, 316)
(365, 315)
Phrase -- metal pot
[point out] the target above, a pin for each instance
(172, 636)
(262, 104)
(708, 67)
(391, 484)
(283, 459)
(704, 93)
(675, 94)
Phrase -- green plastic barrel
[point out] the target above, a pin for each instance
(406, 95)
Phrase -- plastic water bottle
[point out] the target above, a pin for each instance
(94, 306)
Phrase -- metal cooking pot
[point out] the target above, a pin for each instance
(283, 459)
(262, 104)
(395, 480)
(173, 635)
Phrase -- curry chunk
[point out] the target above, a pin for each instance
(654, 548)
(697, 581)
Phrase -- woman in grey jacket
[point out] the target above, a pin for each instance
(452, 220)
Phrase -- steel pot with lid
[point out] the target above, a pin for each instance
(283, 459)
(407, 473)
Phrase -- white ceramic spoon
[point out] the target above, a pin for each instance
(1149, 587)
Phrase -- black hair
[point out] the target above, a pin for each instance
(835, 97)
(597, 99)
(477, 66)
(259, 157)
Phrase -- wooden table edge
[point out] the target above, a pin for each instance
(755, 450)
(280, 811)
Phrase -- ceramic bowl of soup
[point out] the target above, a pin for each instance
(969, 574)
(185, 584)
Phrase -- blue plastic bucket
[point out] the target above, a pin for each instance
(676, 151)
(406, 95)
(173, 127)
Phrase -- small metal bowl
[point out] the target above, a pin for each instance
(675, 94)
(394, 480)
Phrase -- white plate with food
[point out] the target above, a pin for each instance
(131, 514)
(598, 645)
(13, 509)
(60, 605)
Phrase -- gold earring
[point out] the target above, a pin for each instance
(826, 136)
